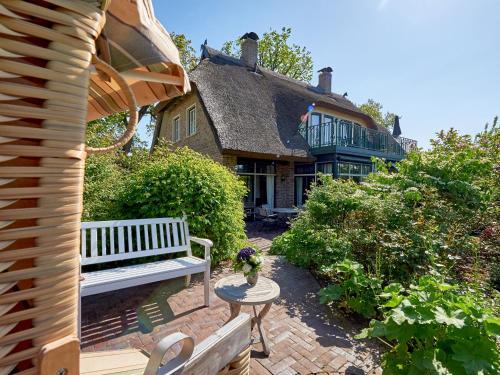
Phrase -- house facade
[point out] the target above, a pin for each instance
(251, 120)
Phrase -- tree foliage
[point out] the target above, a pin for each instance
(374, 110)
(278, 54)
(187, 53)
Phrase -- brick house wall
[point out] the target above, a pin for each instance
(203, 140)
(284, 184)
(229, 160)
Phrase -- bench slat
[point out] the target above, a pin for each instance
(162, 235)
(93, 242)
(84, 243)
(138, 239)
(183, 236)
(169, 241)
(155, 236)
(129, 238)
(175, 231)
(112, 242)
(146, 235)
(121, 240)
(103, 241)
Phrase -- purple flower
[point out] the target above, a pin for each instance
(245, 254)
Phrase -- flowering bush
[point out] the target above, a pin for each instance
(248, 260)
(438, 215)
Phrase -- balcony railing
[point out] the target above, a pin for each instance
(348, 134)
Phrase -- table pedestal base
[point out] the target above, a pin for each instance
(256, 320)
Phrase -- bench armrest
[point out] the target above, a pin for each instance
(206, 243)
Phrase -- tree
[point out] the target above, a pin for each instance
(187, 53)
(106, 130)
(277, 54)
(374, 110)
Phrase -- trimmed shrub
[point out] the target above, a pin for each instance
(174, 183)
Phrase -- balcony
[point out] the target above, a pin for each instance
(345, 136)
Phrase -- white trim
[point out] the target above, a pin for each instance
(178, 117)
(188, 109)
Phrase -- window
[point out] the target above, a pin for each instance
(325, 168)
(355, 171)
(303, 179)
(260, 178)
(304, 168)
(191, 115)
(314, 129)
(176, 129)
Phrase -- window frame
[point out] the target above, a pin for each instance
(178, 119)
(188, 124)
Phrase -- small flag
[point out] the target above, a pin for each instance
(305, 116)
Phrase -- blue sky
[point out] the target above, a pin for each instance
(436, 63)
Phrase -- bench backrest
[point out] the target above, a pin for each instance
(106, 241)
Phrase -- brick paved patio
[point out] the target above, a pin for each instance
(306, 337)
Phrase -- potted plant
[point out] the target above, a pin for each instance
(249, 261)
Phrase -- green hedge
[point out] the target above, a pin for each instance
(169, 184)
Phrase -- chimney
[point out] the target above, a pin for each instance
(249, 49)
(325, 80)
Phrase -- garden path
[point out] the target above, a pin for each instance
(306, 337)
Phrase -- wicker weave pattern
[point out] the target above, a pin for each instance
(240, 365)
(45, 54)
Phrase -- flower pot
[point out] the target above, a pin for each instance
(252, 279)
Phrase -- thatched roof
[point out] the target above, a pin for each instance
(255, 110)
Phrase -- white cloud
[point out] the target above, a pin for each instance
(382, 4)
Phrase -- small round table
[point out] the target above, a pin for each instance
(237, 292)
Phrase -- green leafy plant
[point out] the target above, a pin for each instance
(183, 182)
(436, 329)
(399, 226)
(355, 289)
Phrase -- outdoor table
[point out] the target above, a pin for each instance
(237, 292)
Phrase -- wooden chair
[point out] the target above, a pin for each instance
(227, 351)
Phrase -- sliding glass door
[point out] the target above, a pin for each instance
(259, 177)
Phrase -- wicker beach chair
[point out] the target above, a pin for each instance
(58, 69)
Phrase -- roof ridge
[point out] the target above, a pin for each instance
(213, 52)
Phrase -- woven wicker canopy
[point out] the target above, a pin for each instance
(136, 45)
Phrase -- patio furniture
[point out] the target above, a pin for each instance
(266, 216)
(237, 292)
(108, 241)
(227, 351)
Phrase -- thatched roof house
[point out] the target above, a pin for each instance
(250, 118)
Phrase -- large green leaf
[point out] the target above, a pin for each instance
(449, 319)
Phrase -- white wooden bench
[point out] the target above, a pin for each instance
(108, 241)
